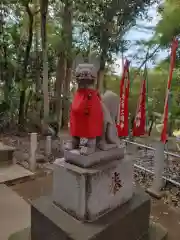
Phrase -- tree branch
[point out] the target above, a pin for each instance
(148, 57)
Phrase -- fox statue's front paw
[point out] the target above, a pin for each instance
(87, 150)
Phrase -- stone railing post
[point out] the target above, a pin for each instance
(159, 164)
(48, 145)
(33, 149)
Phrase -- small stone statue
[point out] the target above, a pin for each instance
(92, 118)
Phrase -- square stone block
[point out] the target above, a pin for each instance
(87, 194)
(128, 222)
(6, 154)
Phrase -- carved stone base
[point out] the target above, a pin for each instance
(87, 194)
(97, 157)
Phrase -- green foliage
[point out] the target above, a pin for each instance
(107, 21)
(99, 26)
(169, 25)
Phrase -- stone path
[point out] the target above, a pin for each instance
(13, 172)
(14, 212)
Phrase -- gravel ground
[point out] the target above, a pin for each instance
(171, 193)
(172, 164)
(172, 170)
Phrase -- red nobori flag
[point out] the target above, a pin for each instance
(165, 116)
(123, 129)
(139, 127)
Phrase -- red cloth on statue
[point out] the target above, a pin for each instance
(86, 115)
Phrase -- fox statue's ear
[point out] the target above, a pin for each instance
(79, 59)
(95, 60)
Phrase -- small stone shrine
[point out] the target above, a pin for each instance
(93, 194)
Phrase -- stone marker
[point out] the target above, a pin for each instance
(158, 181)
(93, 194)
(33, 148)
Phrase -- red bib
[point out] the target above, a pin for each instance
(86, 115)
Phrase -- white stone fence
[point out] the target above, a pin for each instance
(160, 161)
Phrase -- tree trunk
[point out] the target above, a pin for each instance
(2, 42)
(60, 76)
(37, 50)
(63, 76)
(26, 59)
(6, 78)
(4, 71)
(152, 119)
(100, 79)
(28, 103)
(44, 9)
(170, 127)
(66, 97)
(67, 25)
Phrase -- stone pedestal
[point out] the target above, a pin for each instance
(93, 203)
(156, 232)
(128, 222)
(88, 193)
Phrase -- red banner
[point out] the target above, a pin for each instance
(139, 127)
(165, 116)
(123, 129)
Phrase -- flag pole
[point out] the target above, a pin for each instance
(140, 121)
(166, 105)
(122, 62)
(129, 121)
(146, 78)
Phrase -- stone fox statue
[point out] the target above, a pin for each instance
(86, 115)
(92, 118)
